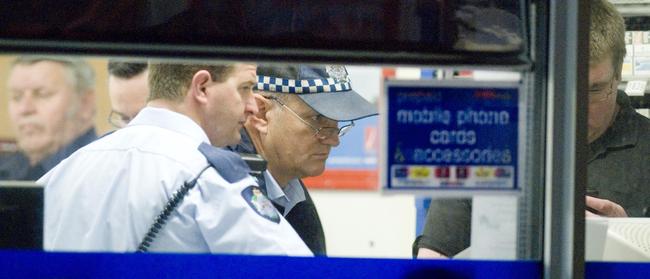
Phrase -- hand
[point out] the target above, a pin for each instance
(424, 253)
(604, 207)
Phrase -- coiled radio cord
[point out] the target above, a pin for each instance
(173, 202)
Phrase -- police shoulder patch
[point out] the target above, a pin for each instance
(260, 203)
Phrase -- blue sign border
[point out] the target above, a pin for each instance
(502, 96)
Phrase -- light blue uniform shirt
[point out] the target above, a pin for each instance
(105, 196)
(287, 197)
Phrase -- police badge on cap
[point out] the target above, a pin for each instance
(338, 73)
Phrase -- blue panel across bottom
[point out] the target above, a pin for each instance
(608, 270)
(21, 264)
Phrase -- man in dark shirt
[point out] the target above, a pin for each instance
(51, 108)
(619, 141)
(296, 126)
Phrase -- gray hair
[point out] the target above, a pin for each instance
(82, 75)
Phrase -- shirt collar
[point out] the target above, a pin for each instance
(52, 160)
(288, 197)
(170, 120)
(624, 129)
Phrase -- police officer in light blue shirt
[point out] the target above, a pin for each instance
(303, 110)
(159, 184)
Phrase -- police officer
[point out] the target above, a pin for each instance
(300, 107)
(159, 184)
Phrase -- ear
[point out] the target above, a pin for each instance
(198, 87)
(259, 121)
(88, 107)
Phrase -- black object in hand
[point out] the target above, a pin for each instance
(592, 210)
(592, 193)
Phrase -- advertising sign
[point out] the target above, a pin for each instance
(451, 135)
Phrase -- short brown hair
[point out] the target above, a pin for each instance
(607, 35)
(169, 81)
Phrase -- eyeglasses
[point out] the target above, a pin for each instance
(600, 95)
(118, 120)
(322, 132)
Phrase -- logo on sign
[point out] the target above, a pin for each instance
(490, 94)
(462, 172)
(483, 172)
(419, 172)
(401, 172)
(442, 172)
(503, 173)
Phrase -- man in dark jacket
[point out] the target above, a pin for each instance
(51, 108)
(300, 108)
(618, 167)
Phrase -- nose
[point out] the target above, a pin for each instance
(250, 107)
(333, 140)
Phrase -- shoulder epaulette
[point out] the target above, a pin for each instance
(227, 163)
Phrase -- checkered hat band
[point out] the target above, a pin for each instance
(282, 85)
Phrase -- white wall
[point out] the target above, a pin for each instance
(366, 224)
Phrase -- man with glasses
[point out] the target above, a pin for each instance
(618, 170)
(300, 108)
(128, 90)
(619, 137)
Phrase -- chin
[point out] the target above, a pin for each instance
(316, 171)
(235, 140)
(223, 141)
(592, 136)
(29, 146)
